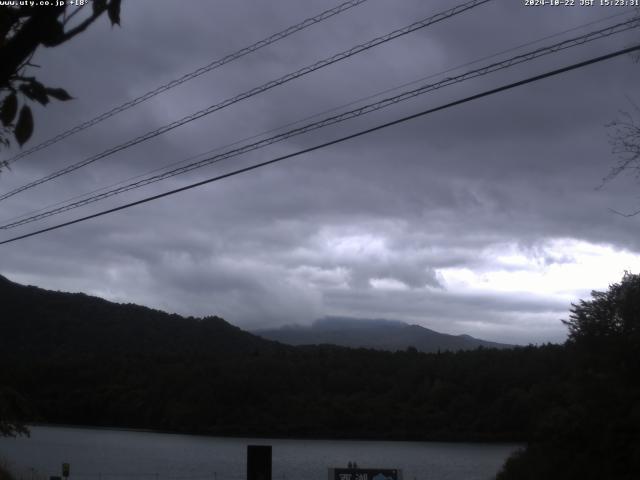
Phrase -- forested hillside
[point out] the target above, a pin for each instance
(58, 325)
(82, 360)
(77, 359)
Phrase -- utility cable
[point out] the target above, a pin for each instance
(189, 76)
(254, 91)
(334, 142)
(311, 117)
(525, 57)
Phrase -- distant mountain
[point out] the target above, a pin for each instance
(70, 358)
(49, 323)
(378, 334)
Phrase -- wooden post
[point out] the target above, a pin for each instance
(258, 462)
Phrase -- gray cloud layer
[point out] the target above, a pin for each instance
(366, 228)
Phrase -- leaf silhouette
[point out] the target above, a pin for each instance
(51, 33)
(113, 10)
(24, 127)
(98, 6)
(59, 94)
(9, 109)
(35, 91)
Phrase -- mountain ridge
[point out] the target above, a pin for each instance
(77, 359)
(376, 333)
(59, 323)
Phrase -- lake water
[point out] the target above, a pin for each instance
(124, 455)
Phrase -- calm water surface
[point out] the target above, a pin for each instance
(125, 455)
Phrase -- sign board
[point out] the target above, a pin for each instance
(365, 474)
(66, 468)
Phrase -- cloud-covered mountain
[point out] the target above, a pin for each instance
(379, 334)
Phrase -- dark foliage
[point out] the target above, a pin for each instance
(82, 360)
(23, 29)
(12, 409)
(597, 435)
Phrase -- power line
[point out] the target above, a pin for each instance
(310, 117)
(336, 141)
(254, 91)
(191, 75)
(339, 118)
(516, 60)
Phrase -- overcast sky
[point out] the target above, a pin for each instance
(482, 219)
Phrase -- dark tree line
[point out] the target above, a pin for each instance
(597, 434)
(81, 360)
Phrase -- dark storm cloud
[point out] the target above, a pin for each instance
(375, 227)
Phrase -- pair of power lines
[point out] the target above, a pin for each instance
(406, 95)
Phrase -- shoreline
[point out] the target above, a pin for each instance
(275, 437)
